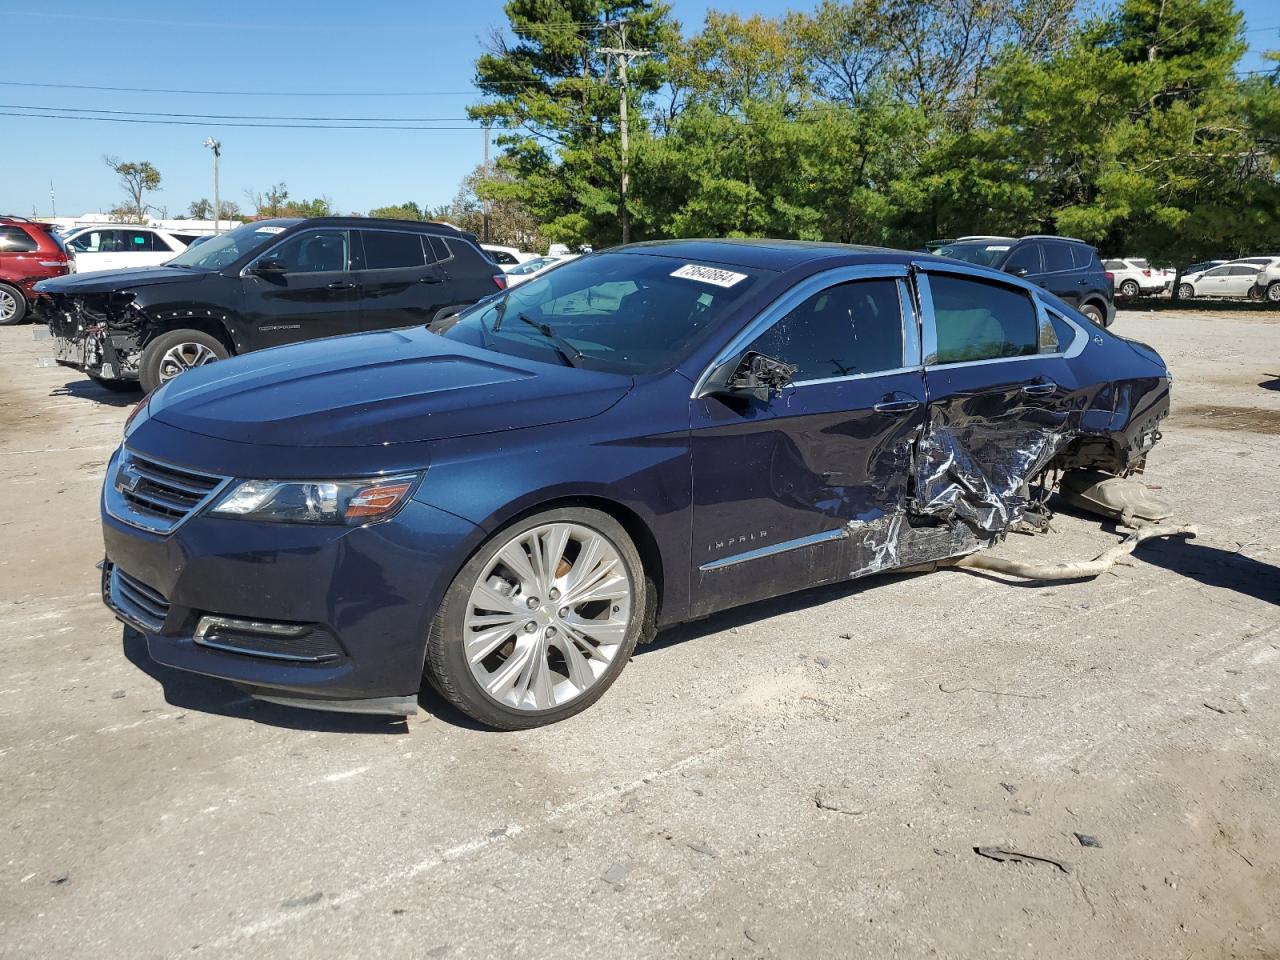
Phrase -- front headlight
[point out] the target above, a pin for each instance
(349, 502)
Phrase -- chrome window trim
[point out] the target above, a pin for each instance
(929, 333)
(784, 547)
(791, 299)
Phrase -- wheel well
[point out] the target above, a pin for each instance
(637, 530)
(203, 324)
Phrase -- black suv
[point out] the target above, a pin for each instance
(261, 285)
(1068, 268)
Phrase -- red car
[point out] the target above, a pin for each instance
(29, 252)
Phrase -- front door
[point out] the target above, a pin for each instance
(401, 284)
(998, 389)
(781, 485)
(316, 296)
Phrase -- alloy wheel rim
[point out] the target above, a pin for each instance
(1129, 289)
(1184, 291)
(184, 356)
(1273, 293)
(8, 305)
(547, 616)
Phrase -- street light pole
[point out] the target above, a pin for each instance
(216, 147)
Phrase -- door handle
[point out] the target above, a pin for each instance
(897, 405)
(341, 285)
(1041, 388)
(430, 279)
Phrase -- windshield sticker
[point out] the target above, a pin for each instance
(721, 278)
(269, 230)
(998, 248)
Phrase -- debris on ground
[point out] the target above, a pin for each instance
(616, 875)
(837, 801)
(1011, 788)
(1080, 570)
(1087, 840)
(1013, 856)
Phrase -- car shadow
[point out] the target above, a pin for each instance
(88, 390)
(192, 691)
(1273, 383)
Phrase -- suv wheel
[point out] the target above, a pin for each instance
(1129, 289)
(177, 351)
(1095, 314)
(540, 621)
(1186, 291)
(13, 305)
(1273, 292)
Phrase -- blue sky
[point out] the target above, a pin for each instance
(288, 46)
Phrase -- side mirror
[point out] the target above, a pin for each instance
(760, 376)
(1017, 271)
(269, 267)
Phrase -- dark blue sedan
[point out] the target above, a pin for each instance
(506, 504)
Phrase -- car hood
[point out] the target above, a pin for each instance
(111, 281)
(374, 389)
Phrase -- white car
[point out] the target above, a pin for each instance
(1134, 277)
(532, 268)
(116, 246)
(1267, 283)
(1234, 279)
(507, 257)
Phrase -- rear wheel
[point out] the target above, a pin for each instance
(1273, 292)
(1095, 314)
(540, 622)
(13, 305)
(175, 352)
(1129, 288)
(1186, 291)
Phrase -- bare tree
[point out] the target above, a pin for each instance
(137, 178)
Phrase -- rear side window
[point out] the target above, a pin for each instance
(1114, 265)
(847, 329)
(1141, 264)
(1063, 331)
(1057, 257)
(1084, 258)
(1244, 271)
(466, 256)
(16, 240)
(976, 320)
(388, 250)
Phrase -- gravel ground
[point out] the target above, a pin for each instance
(803, 777)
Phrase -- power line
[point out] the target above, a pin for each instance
(270, 93)
(230, 116)
(226, 123)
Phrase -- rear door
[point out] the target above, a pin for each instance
(141, 248)
(997, 393)
(314, 297)
(1240, 279)
(401, 284)
(1061, 276)
(784, 486)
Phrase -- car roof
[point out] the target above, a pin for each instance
(432, 226)
(769, 254)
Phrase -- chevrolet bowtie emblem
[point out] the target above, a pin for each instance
(126, 480)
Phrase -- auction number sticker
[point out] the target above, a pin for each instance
(714, 275)
(269, 230)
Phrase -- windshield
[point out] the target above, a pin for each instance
(624, 313)
(225, 249)
(982, 253)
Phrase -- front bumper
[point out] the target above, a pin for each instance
(363, 597)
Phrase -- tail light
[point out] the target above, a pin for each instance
(500, 279)
(1111, 276)
(1146, 273)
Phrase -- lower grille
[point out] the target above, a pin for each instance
(139, 605)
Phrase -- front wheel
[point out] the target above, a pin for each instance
(175, 352)
(1185, 291)
(540, 621)
(13, 305)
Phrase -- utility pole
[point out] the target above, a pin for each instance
(53, 200)
(484, 201)
(625, 56)
(216, 147)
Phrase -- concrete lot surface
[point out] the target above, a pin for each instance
(806, 777)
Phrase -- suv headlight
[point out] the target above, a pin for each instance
(343, 502)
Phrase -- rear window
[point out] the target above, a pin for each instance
(976, 320)
(16, 240)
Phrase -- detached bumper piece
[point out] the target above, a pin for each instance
(301, 643)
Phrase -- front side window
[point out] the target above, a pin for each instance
(16, 240)
(1025, 259)
(316, 251)
(978, 320)
(847, 329)
(392, 250)
(621, 312)
(1218, 272)
(99, 241)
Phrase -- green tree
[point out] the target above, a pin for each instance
(276, 203)
(401, 211)
(137, 179)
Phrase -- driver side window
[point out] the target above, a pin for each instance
(848, 329)
(314, 251)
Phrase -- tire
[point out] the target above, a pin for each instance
(13, 305)
(1273, 292)
(117, 386)
(1256, 294)
(1095, 314)
(607, 625)
(1129, 289)
(1186, 291)
(171, 353)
